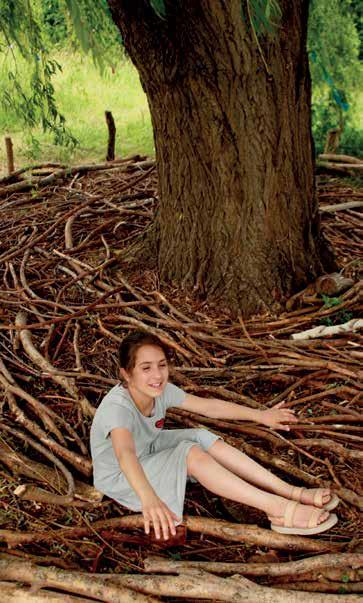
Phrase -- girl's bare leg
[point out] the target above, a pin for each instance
(216, 478)
(245, 467)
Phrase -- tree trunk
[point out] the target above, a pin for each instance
(238, 217)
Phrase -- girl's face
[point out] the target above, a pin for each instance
(150, 373)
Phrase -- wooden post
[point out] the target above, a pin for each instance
(9, 154)
(111, 136)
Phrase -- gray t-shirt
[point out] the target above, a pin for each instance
(117, 409)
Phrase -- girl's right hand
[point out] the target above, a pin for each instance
(158, 514)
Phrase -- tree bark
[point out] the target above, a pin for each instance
(238, 216)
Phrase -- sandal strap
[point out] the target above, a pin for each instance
(289, 513)
(296, 493)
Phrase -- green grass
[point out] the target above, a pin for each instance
(83, 95)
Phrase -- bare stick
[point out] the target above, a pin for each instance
(73, 582)
(14, 593)
(326, 444)
(340, 158)
(347, 327)
(9, 154)
(224, 530)
(111, 136)
(67, 383)
(66, 473)
(154, 564)
(325, 587)
(81, 463)
(341, 206)
(46, 415)
(202, 585)
(22, 465)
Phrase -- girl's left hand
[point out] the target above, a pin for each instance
(277, 417)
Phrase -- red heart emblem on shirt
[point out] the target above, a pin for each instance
(160, 423)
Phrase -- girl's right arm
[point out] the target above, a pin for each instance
(154, 510)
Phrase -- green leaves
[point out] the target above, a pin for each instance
(338, 317)
(24, 37)
(334, 46)
(264, 14)
(330, 302)
(337, 95)
(93, 28)
(75, 11)
(33, 100)
(159, 8)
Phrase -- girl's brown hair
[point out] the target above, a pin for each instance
(133, 342)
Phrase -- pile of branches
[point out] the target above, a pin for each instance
(67, 299)
(340, 164)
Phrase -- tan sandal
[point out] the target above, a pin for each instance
(313, 526)
(318, 498)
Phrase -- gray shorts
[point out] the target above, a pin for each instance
(165, 468)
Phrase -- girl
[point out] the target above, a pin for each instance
(145, 468)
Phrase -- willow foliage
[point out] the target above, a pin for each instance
(28, 28)
(262, 13)
(23, 37)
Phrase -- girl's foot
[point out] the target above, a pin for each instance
(319, 497)
(302, 520)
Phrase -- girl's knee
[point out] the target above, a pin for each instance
(194, 457)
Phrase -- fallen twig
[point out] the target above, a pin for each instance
(155, 564)
(71, 582)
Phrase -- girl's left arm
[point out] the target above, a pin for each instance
(277, 417)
